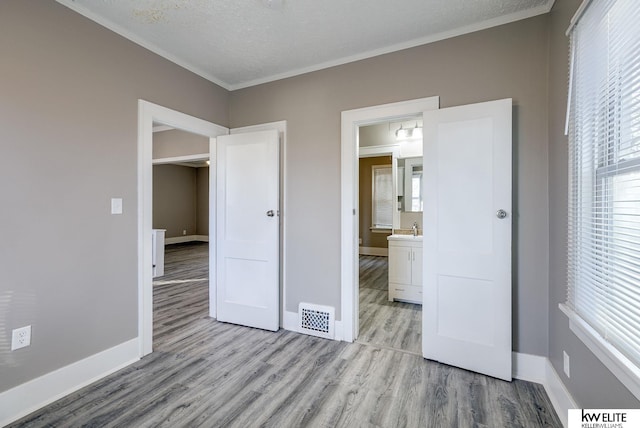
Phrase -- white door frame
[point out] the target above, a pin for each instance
(148, 113)
(351, 120)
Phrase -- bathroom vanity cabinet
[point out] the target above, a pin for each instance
(405, 268)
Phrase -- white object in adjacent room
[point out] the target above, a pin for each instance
(467, 247)
(157, 251)
(405, 268)
(248, 230)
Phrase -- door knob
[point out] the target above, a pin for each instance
(270, 213)
(501, 214)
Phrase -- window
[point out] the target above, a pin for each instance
(382, 197)
(603, 298)
(416, 189)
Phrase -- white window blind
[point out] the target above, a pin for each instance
(604, 175)
(382, 196)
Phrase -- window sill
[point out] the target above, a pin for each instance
(386, 230)
(626, 372)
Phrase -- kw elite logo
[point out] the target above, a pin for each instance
(604, 418)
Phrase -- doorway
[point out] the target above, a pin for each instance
(351, 122)
(150, 115)
(387, 317)
(467, 280)
(181, 230)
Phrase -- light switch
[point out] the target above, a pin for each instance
(116, 205)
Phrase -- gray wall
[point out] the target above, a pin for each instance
(408, 218)
(591, 384)
(175, 199)
(375, 135)
(68, 138)
(174, 142)
(181, 199)
(507, 61)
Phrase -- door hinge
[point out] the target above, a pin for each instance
(354, 211)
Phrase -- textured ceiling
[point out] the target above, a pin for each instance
(239, 43)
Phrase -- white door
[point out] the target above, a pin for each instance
(247, 248)
(467, 243)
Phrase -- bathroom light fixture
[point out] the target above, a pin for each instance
(403, 133)
(417, 132)
(414, 133)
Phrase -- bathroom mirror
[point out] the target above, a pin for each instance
(410, 184)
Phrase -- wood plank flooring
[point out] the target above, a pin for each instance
(181, 296)
(210, 374)
(383, 323)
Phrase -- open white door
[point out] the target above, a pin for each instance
(467, 243)
(248, 229)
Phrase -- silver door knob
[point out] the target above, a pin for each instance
(501, 214)
(270, 213)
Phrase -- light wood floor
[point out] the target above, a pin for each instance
(181, 296)
(211, 374)
(383, 323)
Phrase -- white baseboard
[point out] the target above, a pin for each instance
(374, 251)
(187, 238)
(558, 394)
(23, 399)
(290, 322)
(339, 333)
(534, 368)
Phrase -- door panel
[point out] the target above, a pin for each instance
(416, 267)
(247, 245)
(458, 147)
(400, 264)
(469, 296)
(467, 251)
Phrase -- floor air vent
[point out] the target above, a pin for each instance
(317, 320)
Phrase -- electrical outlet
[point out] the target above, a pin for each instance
(184, 232)
(21, 337)
(567, 368)
(360, 241)
(116, 205)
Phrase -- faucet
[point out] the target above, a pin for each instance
(414, 228)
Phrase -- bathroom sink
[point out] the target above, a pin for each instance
(399, 237)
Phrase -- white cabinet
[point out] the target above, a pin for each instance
(405, 268)
(157, 251)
